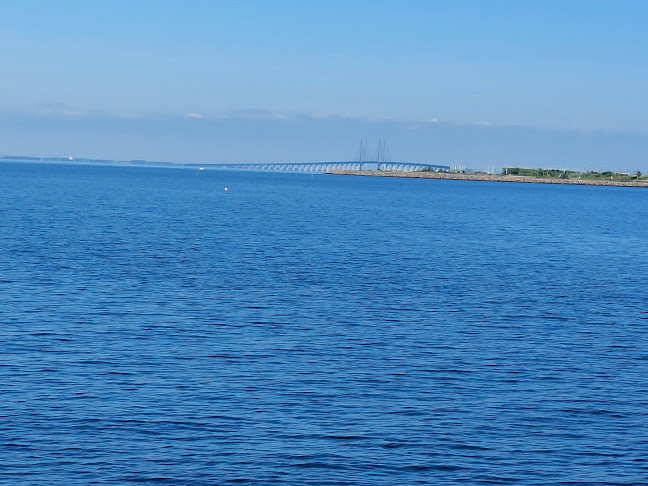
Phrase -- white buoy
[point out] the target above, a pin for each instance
(226, 189)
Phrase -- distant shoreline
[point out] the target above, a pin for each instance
(488, 178)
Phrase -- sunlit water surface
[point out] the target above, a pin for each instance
(319, 330)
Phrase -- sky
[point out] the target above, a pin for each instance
(470, 82)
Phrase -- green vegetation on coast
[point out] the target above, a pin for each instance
(572, 174)
(541, 173)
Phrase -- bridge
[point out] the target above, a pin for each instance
(381, 162)
(323, 167)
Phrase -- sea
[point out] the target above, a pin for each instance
(211, 327)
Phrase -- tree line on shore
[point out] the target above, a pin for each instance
(542, 173)
(572, 174)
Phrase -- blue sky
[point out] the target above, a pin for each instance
(474, 82)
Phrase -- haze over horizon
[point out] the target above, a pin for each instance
(464, 82)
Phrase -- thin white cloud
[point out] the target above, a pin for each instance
(254, 114)
(60, 109)
(412, 124)
(124, 115)
(319, 115)
(258, 114)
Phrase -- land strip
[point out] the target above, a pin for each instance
(490, 178)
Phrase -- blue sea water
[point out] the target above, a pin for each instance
(319, 330)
